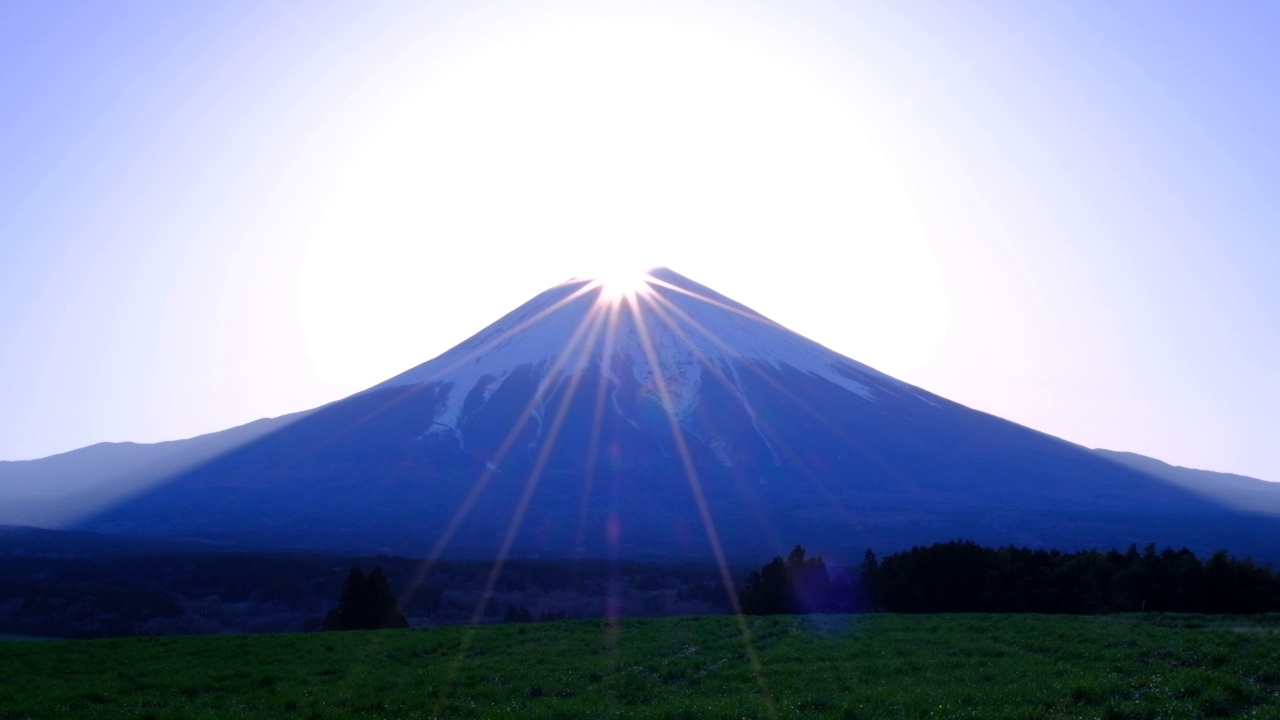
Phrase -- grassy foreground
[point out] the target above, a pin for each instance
(869, 666)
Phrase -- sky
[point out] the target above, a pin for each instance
(1060, 213)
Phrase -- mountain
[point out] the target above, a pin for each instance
(662, 420)
(1237, 491)
(59, 489)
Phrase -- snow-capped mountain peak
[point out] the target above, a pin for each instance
(670, 333)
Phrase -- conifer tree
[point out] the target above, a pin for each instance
(366, 604)
(795, 585)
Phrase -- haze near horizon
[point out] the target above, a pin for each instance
(1058, 215)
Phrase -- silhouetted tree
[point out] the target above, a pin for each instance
(869, 581)
(960, 576)
(796, 585)
(766, 589)
(515, 613)
(366, 604)
(809, 586)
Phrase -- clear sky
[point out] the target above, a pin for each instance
(1064, 214)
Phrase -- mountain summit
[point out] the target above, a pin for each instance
(659, 419)
(661, 339)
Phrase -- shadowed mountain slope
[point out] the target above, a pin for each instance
(62, 488)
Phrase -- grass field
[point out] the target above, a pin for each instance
(867, 666)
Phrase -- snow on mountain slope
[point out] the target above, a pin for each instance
(671, 336)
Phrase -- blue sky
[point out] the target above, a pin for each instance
(1062, 214)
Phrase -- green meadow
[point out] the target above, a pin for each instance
(841, 666)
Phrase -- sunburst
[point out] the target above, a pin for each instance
(621, 285)
(623, 296)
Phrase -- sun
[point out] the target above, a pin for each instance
(579, 140)
(621, 283)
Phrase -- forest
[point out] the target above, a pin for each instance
(59, 590)
(64, 585)
(962, 576)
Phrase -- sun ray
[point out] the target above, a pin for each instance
(908, 480)
(464, 647)
(663, 306)
(491, 343)
(756, 317)
(503, 449)
(597, 320)
(767, 433)
(664, 309)
(612, 609)
(535, 477)
(508, 442)
(597, 422)
(695, 485)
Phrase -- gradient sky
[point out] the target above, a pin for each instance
(1064, 214)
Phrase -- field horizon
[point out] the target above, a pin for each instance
(846, 666)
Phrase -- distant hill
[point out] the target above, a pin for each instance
(63, 488)
(1237, 491)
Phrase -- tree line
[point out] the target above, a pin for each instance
(956, 576)
(962, 576)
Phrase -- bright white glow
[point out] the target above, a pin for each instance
(620, 281)
(614, 288)
(563, 145)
